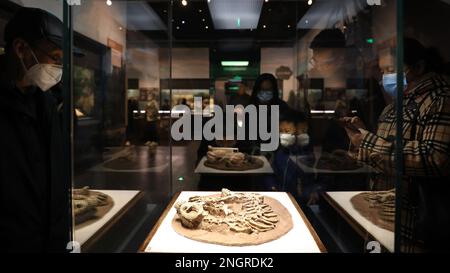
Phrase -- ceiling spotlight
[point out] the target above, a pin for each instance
(266, 1)
(184, 2)
(310, 2)
(203, 20)
(199, 10)
(289, 26)
(183, 22)
(178, 27)
(109, 2)
(264, 26)
(120, 28)
(206, 27)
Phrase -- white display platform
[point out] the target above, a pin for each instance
(121, 200)
(300, 239)
(342, 199)
(265, 169)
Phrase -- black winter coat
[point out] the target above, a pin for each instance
(34, 196)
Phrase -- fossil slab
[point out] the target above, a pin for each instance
(229, 160)
(229, 218)
(377, 206)
(89, 205)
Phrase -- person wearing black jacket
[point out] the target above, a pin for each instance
(265, 92)
(34, 196)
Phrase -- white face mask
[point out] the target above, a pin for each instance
(303, 140)
(287, 140)
(44, 76)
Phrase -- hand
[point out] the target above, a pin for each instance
(355, 121)
(355, 137)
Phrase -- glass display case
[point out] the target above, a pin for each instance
(165, 103)
(324, 57)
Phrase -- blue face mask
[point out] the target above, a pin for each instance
(390, 83)
(265, 95)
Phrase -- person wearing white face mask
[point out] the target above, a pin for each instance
(426, 146)
(294, 135)
(294, 141)
(266, 92)
(42, 75)
(34, 197)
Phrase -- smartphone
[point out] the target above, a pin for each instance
(347, 125)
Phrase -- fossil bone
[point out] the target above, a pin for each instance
(85, 200)
(191, 214)
(384, 201)
(228, 156)
(250, 213)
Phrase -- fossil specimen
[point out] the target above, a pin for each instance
(86, 202)
(232, 218)
(384, 201)
(377, 207)
(254, 215)
(191, 213)
(216, 155)
(231, 160)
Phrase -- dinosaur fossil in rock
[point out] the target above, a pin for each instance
(240, 212)
(233, 158)
(384, 201)
(85, 202)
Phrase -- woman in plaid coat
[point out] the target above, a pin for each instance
(426, 148)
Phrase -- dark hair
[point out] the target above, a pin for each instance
(414, 52)
(257, 87)
(329, 38)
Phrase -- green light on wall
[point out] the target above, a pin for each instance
(238, 22)
(237, 78)
(234, 63)
(180, 178)
(370, 40)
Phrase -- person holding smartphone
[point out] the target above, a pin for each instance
(426, 145)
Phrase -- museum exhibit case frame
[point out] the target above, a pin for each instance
(160, 46)
(178, 48)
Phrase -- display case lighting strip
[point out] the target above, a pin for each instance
(234, 63)
(322, 111)
(173, 112)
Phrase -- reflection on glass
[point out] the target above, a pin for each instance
(121, 142)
